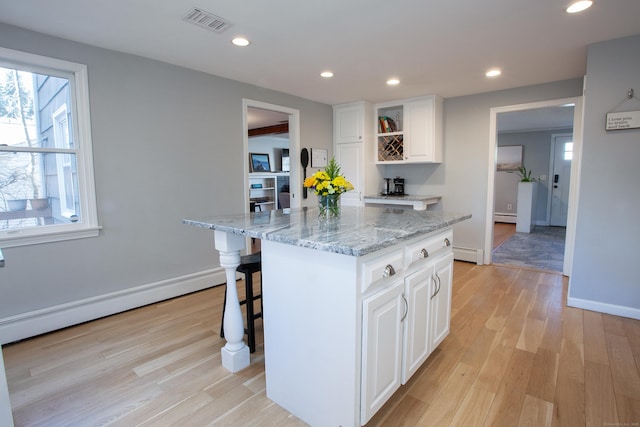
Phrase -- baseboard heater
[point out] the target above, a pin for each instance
(505, 217)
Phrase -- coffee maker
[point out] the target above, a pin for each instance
(398, 186)
(386, 189)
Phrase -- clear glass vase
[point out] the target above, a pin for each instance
(329, 206)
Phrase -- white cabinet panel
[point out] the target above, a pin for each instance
(382, 347)
(350, 158)
(348, 124)
(416, 346)
(441, 300)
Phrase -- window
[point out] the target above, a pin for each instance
(46, 172)
(568, 151)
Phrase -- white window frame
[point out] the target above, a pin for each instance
(77, 75)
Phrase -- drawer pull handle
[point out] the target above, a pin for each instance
(424, 253)
(447, 242)
(388, 271)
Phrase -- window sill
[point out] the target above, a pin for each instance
(20, 238)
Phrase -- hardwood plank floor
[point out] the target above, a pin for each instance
(516, 355)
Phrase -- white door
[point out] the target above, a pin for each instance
(416, 331)
(349, 157)
(441, 300)
(381, 348)
(562, 147)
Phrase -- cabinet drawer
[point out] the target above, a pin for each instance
(377, 269)
(428, 247)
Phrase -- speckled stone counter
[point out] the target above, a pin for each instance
(418, 202)
(357, 232)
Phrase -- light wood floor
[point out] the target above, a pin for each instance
(516, 355)
(501, 232)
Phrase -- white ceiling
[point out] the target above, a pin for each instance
(434, 47)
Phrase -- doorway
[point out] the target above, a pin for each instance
(546, 107)
(276, 156)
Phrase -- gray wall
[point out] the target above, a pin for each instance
(605, 265)
(466, 151)
(167, 145)
(536, 157)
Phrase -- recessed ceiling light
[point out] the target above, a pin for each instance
(326, 74)
(493, 73)
(240, 41)
(393, 82)
(579, 6)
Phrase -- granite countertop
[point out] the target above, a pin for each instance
(358, 231)
(406, 197)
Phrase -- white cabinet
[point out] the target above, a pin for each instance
(409, 131)
(349, 123)
(352, 149)
(417, 341)
(441, 299)
(381, 347)
(404, 319)
(350, 157)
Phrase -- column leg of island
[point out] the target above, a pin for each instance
(235, 353)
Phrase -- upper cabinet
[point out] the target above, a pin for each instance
(409, 131)
(349, 123)
(352, 147)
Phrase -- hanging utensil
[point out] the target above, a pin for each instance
(304, 160)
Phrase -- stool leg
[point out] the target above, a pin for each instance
(251, 329)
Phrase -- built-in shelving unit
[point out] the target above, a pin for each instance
(264, 189)
(409, 131)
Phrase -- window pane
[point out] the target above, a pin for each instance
(32, 192)
(28, 102)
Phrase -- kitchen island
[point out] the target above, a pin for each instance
(352, 307)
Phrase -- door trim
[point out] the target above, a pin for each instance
(574, 185)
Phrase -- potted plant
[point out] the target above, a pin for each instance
(525, 175)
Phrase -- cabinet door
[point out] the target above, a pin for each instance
(350, 158)
(381, 347)
(349, 124)
(416, 347)
(441, 299)
(419, 131)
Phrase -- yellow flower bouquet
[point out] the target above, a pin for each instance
(328, 184)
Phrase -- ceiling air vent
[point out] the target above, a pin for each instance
(206, 20)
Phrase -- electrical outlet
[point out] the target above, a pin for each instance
(543, 177)
(509, 207)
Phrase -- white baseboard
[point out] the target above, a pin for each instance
(601, 307)
(26, 325)
(510, 218)
(469, 254)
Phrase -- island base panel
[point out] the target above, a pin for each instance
(311, 324)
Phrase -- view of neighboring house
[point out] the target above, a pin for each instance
(38, 185)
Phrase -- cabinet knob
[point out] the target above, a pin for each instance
(447, 242)
(388, 271)
(424, 253)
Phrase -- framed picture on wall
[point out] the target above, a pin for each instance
(259, 162)
(509, 158)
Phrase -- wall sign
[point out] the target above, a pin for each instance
(318, 157)
(623, 120)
